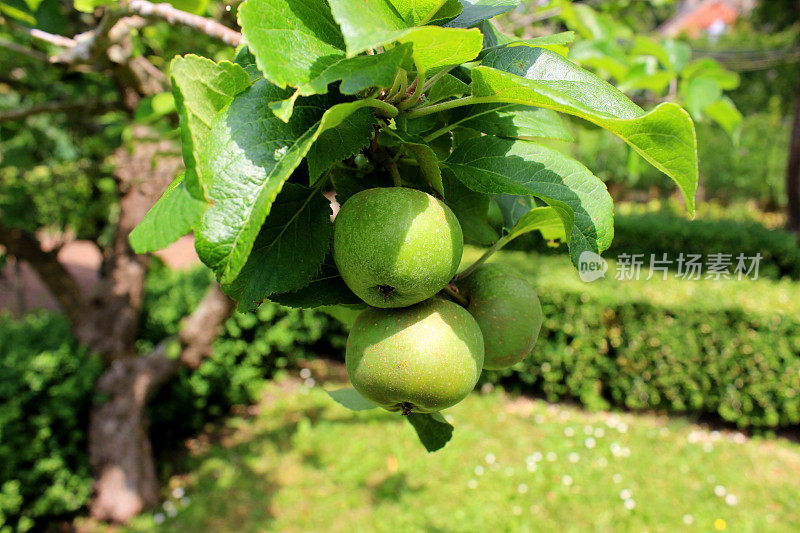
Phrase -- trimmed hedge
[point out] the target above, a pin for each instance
(606, 344)
(665, 232)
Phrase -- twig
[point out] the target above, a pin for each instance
(24, 50)
(146, 9)
(56, 107)
(57, 40)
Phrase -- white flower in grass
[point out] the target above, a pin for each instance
(472, 483)
(569, 432)
(629, 504)
(688, 519)
(551, 456)
(490, 458)
(589, 442)
(517, 510)
(478, 470)
(616, 478)
(522, 488)
(531, 467)
(177, 493)
(731, 500)
(305, 373)
(708, 447)
(622, 427)
(719, 490)
(602, 462)
(158, 518)
(566, 480)
(574, 457)
(587, 430)
(599, 432)
(625, 494)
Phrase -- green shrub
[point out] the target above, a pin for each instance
(645, 345)
(46, 384)
(665, 232)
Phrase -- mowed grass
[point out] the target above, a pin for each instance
(303, 463)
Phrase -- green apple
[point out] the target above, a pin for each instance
(395, 246)
(508, 311)
(419, 359)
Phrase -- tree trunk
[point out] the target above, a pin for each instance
(119, 446)
(793, 175)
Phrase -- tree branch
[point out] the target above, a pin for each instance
(199, 329)
(176, 17)
(24, 50)
(91, 107)
(25, 246)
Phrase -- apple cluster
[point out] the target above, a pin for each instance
(413, 350)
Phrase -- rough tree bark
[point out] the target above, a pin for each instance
(793, 175)
(106, 321)
(119, 447)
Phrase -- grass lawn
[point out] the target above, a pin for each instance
(300, 462)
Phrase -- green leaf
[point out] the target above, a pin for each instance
(173, 216)
(445, 87)
(708, 68)
(515, 121)
(449, 10)
(542, 219)
(425, 156)
(202, 89)
(475, 11)
(701, 93)
(376, 23)
(340, 142)
(293, 40)
(494, 39)
(251, 153)
(350, 398)
(16, 13)
(245, 59)
(346, 314)
(471, 209)
(725, 113)
(433, 430)
(289, 249)
(494, 166)
(665, 136)
(417, 12)
(360, 72)
(326, 289)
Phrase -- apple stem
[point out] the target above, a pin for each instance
(486, 255)
(452, 291)
(406, 408)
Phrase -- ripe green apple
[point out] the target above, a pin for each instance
(419, 359)
(396, 246)
(508, 311)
